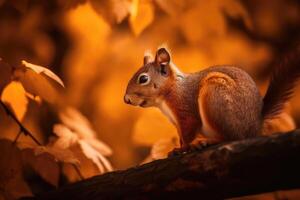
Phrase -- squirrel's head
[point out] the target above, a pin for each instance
(151, 81)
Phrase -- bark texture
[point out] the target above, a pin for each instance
(231, 169)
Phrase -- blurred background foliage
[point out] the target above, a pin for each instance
(96, 45)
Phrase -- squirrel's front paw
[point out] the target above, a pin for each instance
(188, 148)
(198, 146)
(200, 143)
(177, 151)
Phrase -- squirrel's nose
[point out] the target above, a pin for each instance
(127, 99)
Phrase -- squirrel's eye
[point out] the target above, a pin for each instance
(143, 79)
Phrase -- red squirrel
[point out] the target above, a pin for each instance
(219, 103)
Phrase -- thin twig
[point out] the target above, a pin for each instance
(28, 133)
(17, 137)
(22, 128)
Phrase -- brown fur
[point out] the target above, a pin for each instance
(220, 103)
(232, 103)
(281, 85)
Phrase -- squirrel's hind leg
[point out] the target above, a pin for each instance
(218, 107)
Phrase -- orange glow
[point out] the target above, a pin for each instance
(96, 46)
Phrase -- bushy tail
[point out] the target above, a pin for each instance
(282, 83)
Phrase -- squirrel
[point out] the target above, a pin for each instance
(219, 103)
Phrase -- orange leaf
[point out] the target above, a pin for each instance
(81, 126)
(66, 137)
(42, 70)
(12, 183)
(15, 96)
(37, 85)
(141, 16)
(76, 129)
(91, 148)
(99, 160)
(172, 7)
(113, 11)
(44, 164)
(60, 154)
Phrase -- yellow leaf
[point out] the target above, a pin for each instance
(60, 154)
(81, 126)
(113, 11)
(73, 119)
(66, 137)
(141, 15)
(87, 167)
(152, 126)
(37, 85)
(121, 9)
(15, 96)
(42, 70)
(77, 130)
(98, 159)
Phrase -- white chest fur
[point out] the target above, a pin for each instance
(165, 109)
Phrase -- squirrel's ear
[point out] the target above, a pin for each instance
(147, 58)
(162, 57)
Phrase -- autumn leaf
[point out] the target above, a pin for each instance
(67, 138)
(87, 167)
(113, 11)
(44, 164)
(141, 15)
(36, 84)
(102, 163)
(172, 7)
(80, 125)
(12, 183)
(76, 129)
(77, 122)
(60, 154)
(14, 95)
(42, 70)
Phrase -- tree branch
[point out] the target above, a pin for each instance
(232, 169)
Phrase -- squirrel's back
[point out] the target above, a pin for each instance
(231, 102)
